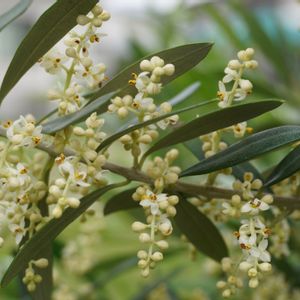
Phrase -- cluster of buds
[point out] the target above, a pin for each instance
(162, 171)
(212, 143)
(253, 233)
(31, 279)
(158, 208)
(234, 71)
(233, 282)
(75, 62)
(70, 186)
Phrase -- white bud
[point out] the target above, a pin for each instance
(253, 283)
(145, 139)
(105, 16)
(252, 272)
(226, 293)
(267, 199)
(173, 200)
(249, 52)
(71, 52)
(83, 20)
(221, 284)
(144, 238)
(162, 244)
(55, 191)
(146, 65)
(142, 263)
(245, 266)
(60, 182)
(165, 228)
(157, 61)
(78, 131)
(86, 62)
(1, 241)
(142, 254)
(138, 226)
(158, 71)
(57, 212)
(265, 267)
(157, 256)
(245, 85)
(97, 22)
(169, 69)
(122, 112)
(41, 263)
(73, 202)
(171, 211)
(234, 64)
(97, 10)
(145, 272)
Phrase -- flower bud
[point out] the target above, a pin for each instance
(83, 20)
(162, 244)
(142, 254)
(71, 52)
(267, 199)
(138, 226)
(122, 112)
(41, 263)
(169, 69)
(142, 263)
(253, 283)
(73, 202)
(57, 212)
(146, 65)
(252, 272)
(234, 64)
(157, 256)
(144, 238)
(105, 16)
(245, 266)
(265, 267)
(221, 284)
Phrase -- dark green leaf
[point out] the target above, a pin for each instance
(183, 57)
(252, 146)
(195, 146)
(121, 201)
(200, 230)
(215, 120)
(60, 123)
(58, 20)
(14, 13)
(43, 238)
(287, 167)
(133, 127)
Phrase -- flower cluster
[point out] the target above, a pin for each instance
(76, 62)
(253, 233)
(162, 171)
(31, 279)
(148, 83)
(159, 207)
(234, 71)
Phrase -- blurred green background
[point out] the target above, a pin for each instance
(108, 254)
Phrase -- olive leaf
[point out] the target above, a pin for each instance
(200, 230)
(195, 146)
(14, 13)
(43, 238)
(289, 165)
(56, 22)
(250, 147)
(215, 120)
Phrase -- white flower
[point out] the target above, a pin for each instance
(223, 95)
(152, 200)
(260, 252)
(20, 173)
(18, 230)
(254, 206)
(230, 75)
(53, 61)
(93, 75)
(24, 133)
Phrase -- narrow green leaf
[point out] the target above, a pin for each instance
(183, 57)
(200, 230)
(99, 106)
(287, 167)
(121, 201)
(215, 120)
(43, 238)
(133, 127)
(58, 20)
(195, 146)
(250, 147)
(14, 13)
